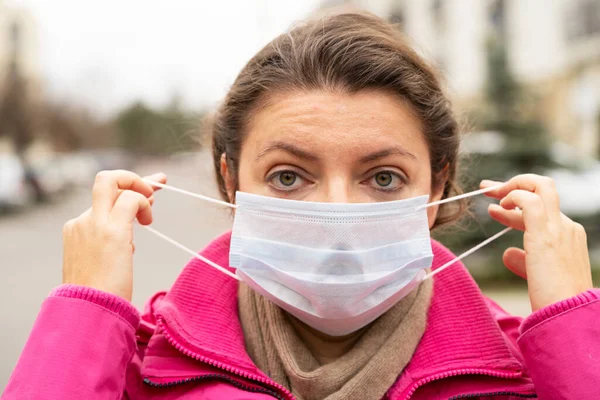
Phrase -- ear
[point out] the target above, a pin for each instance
(436, 195)
(227, 178)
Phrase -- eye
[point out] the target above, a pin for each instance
(387, 181)
(286, 180)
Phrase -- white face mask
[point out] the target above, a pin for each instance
(335, 266)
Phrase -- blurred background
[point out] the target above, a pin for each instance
(86, 86)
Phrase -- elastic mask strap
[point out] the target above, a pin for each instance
(468, 252)
(192, 194)
(480, 245)
(193, 253)
(226, 204)
(460, 196)
(176, 243)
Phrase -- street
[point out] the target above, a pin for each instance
(31, 249)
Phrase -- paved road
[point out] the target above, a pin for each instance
(31, 250)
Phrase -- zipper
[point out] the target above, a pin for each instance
(471, 395)
(287, 394)
(214, 376)
(468, 371)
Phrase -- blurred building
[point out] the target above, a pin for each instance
(18, 49)
(553, 47)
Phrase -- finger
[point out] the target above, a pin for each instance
(532, 207)
(512, 218)
(107, 186)
(150, 199)
(130, 205)
(157, 177)
(540, 185)
(514, 259)
(488, 183)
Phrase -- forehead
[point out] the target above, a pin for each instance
(334, 124)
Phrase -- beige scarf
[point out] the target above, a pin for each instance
(365, 372)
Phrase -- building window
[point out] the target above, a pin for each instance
(583, 19)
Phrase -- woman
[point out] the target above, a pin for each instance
(336, 111)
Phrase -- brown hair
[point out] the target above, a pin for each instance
(346, 52)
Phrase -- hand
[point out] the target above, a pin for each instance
(554, 258)
(98, 245)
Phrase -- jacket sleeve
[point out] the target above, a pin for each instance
(561, 347)
(82, 346)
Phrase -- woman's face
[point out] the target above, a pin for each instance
(335, 147)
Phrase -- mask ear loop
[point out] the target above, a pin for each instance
(192, 194)
(193, 253)
(468, 252)
(179, 245)
(460, 196)
(474, 249)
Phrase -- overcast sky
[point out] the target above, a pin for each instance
(104, 54)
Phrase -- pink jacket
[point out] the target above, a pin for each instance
(88, 344)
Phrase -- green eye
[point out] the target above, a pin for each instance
(287, 178)
(383, 179)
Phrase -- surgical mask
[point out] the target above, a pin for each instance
(335, 266)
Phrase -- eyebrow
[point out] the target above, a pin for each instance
(300, 153)
(387, 152)
(289, 148)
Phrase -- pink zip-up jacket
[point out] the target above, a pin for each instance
(188, 344)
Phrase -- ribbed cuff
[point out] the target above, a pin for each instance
(557, 308)
(109, 301)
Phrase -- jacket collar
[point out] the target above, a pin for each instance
(200, 313)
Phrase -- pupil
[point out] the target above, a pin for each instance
(287, 178)
(384, 179)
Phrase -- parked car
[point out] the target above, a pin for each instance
(14, 188)
(113, 158)
(50, 176)
(577, 179)
(79, 168)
